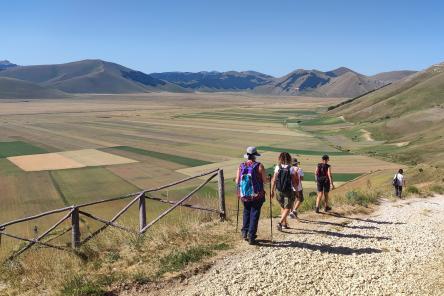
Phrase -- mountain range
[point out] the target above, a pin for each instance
(97, 76)
(6, 64)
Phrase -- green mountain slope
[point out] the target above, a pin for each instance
(408, 115)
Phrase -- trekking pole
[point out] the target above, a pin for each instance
(271, 211)
(237, 212)
(237, 215)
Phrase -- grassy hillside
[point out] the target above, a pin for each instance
(393, 75)
(408, 115)
(11, 88)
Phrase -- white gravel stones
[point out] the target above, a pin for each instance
(389, 253)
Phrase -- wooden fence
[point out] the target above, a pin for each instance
(74, 213)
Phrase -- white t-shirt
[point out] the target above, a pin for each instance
(300, 174)
(292, 172)
(400, 178)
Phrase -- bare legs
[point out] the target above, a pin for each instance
(284, 215)
(326, 199)
(319, 198)
(296, 205)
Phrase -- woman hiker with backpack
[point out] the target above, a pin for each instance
(250, 180)
(285, 179)
(399, 182)
(324, 181)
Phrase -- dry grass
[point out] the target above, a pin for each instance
(115, 258)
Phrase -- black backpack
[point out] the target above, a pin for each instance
(283, 180)
(322, 172)
(395, 180)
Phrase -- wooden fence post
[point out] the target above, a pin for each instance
(75, 230)
(221, 181)
(142, 212)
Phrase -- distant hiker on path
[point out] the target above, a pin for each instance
(399, 182)
(324, 181)
(250, 179)
(298, 190)
(285, 179)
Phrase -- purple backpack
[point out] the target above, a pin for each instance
(250, 185)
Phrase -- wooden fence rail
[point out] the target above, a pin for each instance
(74, 213)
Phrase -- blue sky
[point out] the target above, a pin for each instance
(274, 37)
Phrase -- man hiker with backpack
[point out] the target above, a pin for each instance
(298, 190)
(399, 182)
(250, 179)
(285, 179)
(324, 181)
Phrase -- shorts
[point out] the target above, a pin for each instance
(323, 186)
(286, 199)
(300, 196)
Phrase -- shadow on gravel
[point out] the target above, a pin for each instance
(338, 224)
(336, 234)
(363, 220)
(322, 248)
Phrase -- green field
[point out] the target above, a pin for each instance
(186, 161)
(299, 151)
(322, 121)
(16, 148)
(236, 116)
(88, 184)
(7, 168)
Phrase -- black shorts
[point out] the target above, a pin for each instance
(300, 196)
(323, 186)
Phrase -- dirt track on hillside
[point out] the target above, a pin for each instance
(397, 250)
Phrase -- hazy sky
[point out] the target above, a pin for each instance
(274, 37)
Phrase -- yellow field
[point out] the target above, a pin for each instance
(44, 162)
(67, 160)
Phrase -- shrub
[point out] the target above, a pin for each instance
(412, 190)
(177, 260)
(141, 279)
(309, 202)
(361, 198)
(437, 189)
(80, 286)
(113, 256)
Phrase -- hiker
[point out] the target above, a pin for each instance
(399, 182)
(250, 179)
(298, 190)
(324, 181)
(284, 180)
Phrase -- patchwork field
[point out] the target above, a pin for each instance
(95, 147)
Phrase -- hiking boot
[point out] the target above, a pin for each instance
(293, 214)
(285, 226)
(252, 241)
(244, 236)
(279, 227)
(317, 210)
(327, 209)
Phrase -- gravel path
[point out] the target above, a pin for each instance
(398, 250)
